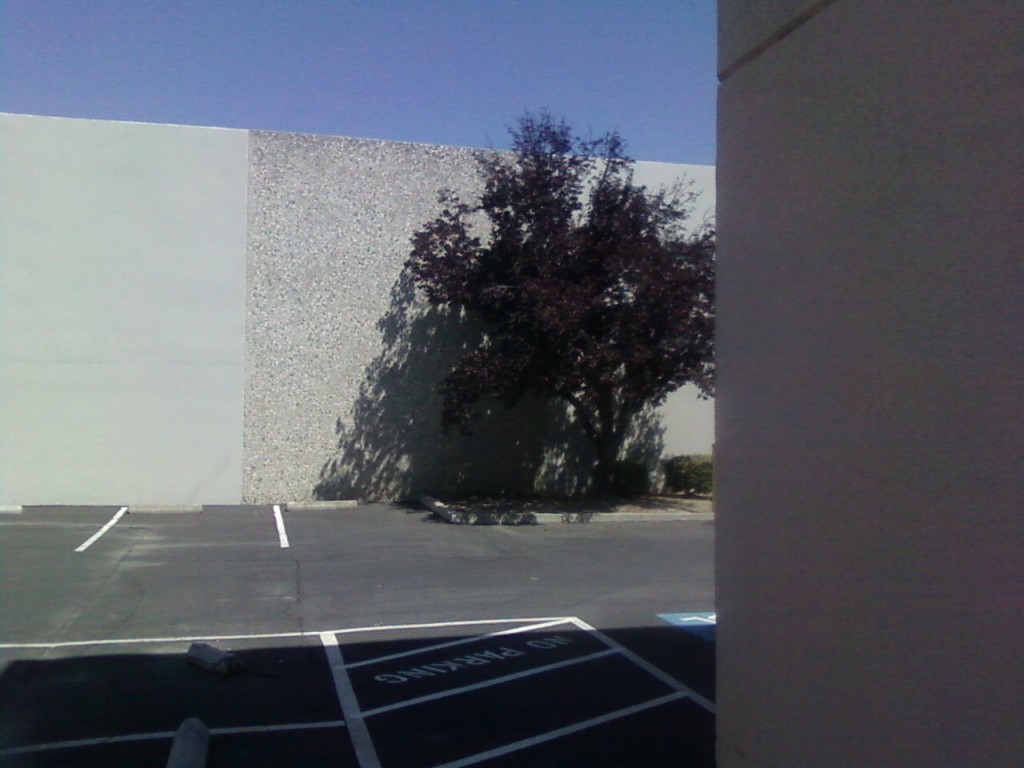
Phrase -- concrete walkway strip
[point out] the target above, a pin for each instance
(190, 745)
(95, 537)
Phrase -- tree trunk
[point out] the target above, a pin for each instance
(606, 442)
(605, 435)
(603, 474)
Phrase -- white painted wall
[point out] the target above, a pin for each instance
(870, 541)
(122, 311)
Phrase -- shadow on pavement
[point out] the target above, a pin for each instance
(550, 696)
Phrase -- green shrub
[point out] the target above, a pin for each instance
(689, 475)
(631, 478)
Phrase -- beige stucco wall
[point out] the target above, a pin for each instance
(869, 442)
(687, 418)
(122, 310)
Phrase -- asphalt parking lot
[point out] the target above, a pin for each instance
(370, 636)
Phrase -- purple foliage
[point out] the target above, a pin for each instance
(592, 289)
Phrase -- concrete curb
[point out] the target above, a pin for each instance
(455, 517)
(188, 750)
(459, 517)
(312, 506)
(11, 510)
(578, 518)
(162, 509)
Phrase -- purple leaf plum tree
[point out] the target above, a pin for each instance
(591, 289)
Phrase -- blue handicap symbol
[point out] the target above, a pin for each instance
(700, 624)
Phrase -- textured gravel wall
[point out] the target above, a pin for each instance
(343, 364)
(341, 393)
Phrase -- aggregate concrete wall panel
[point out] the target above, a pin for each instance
(869, 391)
(345, 364)
(121, 312)
(336, 370)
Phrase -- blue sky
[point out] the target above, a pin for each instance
(438, 71)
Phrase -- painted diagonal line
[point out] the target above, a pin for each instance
(78, 743)
(463, 641)
(362, 743)
(667, 679)
(559, 732)
(95, 537)
(282, 534)
(485, 683)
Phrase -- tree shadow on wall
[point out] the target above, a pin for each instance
(390, 445)
(568, 462)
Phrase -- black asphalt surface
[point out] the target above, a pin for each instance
(377, 637)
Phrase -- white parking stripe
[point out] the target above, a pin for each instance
(281, 533)
(273, 635)
(559, 732)
(486, 683)
(92, 539)
(461, 641)
(646, 666)
(231, 731)
(355, 718)
(366, 752)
